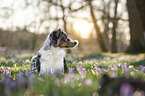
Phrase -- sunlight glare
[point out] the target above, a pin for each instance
(83, 28)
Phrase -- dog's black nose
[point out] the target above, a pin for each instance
(75, 43)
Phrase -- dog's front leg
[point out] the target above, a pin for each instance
(65, 66)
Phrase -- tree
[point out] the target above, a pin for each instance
(137, 42)
(141, 8)
(114, 29)
(100, 38)
(106, 19)
(65, 9)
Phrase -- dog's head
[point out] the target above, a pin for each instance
(59, 38)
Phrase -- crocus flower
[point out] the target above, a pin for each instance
(22, 67)
(124, 67)
(2, 67)
(3, 70)
(131, 66)
(141, 67)
(27, 61)
(20, 73)
(105, 70)
(126, 90)
(81, 69)
(98, 70)
(15, 65)
(70, 70)
(115, 67)
(48, 71)
(8, 70)
(27, 73)
(88, 82)
(6, 79)
(53, 70)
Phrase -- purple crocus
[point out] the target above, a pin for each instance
(88, 82)
(27, 73)
(98, 70)
(81, 69)
(131, 66)
(124, 67)
(53, 70)
(49, 71)
(36, 70)
(6, 79)
(141, 67)
(20, 73)
(3, 70)
(2, 67)
(115, 68)
(105, 70)
(8, 70)
(126, 90)
(70, 70)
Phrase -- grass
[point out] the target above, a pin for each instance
(83, 78)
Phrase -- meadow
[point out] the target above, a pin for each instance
(82, 79)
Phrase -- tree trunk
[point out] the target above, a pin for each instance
(106, 32)
(34, 41)
(141, 8)
(137, 44)
(100, 38)
(114, 31)
(106, 21)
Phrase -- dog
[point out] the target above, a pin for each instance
(121, 86)
(52, 55)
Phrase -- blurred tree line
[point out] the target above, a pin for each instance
(21, 39)
(115, 17)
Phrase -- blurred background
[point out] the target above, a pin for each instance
(99, 25)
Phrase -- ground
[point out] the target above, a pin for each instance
(83, 78)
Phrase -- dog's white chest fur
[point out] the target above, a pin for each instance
(53, 58)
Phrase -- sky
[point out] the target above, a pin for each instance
(20, 17)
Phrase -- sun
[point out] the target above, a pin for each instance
(83, 28)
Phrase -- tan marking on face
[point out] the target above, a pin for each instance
(66, 44)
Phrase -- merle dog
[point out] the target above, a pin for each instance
(51, 55)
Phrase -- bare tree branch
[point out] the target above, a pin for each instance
(74, 10)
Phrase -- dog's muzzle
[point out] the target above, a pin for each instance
(69, 44)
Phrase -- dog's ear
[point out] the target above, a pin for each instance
(54, 38)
